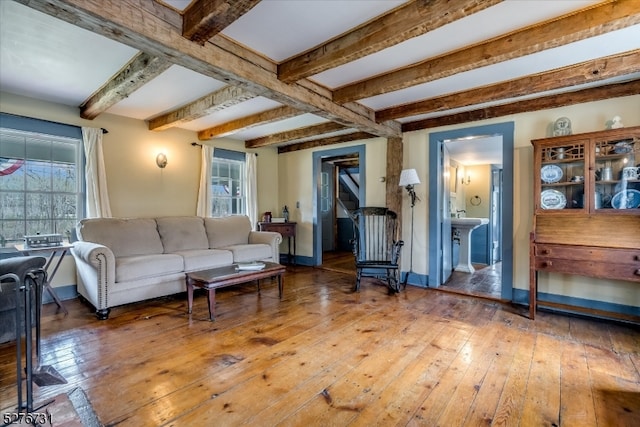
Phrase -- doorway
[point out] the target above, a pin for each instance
(496, 250)
(329, 216)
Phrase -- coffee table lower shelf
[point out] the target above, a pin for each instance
(215, 278)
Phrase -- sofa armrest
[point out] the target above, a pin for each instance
(96, 272)
(270, 238)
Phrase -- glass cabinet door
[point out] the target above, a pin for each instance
(562, 176)
(616, 174)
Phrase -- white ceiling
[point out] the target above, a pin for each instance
(45, 58)
(480, 150)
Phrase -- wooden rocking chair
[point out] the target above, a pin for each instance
(376, 246)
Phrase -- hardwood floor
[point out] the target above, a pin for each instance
(485, 282)
(340, 261)
(328, 357)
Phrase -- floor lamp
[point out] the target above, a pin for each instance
(409, 178)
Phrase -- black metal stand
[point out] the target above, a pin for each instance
(406, 276)
(24, 312)
(30, 293)
(412, 195)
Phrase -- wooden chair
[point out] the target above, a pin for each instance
(376, 246)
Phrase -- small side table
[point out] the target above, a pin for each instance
(286, 229)
(56, 251)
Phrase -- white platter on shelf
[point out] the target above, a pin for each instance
(551, 173)
(626, 199)
(552, 199)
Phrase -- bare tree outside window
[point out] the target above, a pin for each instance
(227, 187)
(41, 189)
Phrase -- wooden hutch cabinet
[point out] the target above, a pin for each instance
(586, 209)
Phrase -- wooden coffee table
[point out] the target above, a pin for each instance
(214, 278)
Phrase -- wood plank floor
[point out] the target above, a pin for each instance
(324, 356)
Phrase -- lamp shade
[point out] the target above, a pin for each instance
(409, 177)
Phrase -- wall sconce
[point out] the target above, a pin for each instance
(466, 180)
(161, 160)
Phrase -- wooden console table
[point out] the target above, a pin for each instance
(286, 229)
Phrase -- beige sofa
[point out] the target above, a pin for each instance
(123, 260)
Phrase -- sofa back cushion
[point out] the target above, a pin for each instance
(124, 236)
(228, 230)
(182, 233)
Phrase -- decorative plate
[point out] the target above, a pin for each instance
(622, 147)
(626, 199)
(551, 173)
(552, 199)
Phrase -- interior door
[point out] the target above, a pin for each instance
(445, 211)
(327, 211)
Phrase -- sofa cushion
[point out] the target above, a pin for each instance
(195, 260)
(181, 233)
(227, 231)
(141, 266)
(246, 253)
(124, 236)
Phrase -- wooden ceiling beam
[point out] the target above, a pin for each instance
(543, 103)
(325, 141)
(589, 22)
(293, 135)
(410, 20)
(585, 72)
(137, 25)
(210, 103)
(203, 19)
(140, 70)
(244, 123)
(395, 159)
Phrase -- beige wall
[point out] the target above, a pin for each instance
(586, 117)
(480, 186)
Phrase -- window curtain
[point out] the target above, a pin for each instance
(204, 207)
(252, 188)
(95, 175)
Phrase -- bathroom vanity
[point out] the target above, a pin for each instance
(465, 226)
(586, 209)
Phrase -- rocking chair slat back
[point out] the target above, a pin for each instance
(376, 245)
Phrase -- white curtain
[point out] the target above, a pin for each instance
(95, 176)
(204, 192)
(252, 188)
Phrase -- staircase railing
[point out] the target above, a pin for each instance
(347, 182)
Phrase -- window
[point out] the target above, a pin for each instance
(41, 183)
(228, 178)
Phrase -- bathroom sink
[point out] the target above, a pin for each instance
(468, 222)
(466, 226)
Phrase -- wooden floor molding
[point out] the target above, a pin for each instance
(325, 356)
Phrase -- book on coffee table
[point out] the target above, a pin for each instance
(255, 265)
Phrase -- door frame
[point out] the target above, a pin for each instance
(317, 158)
(436, 173)
(495, 183)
